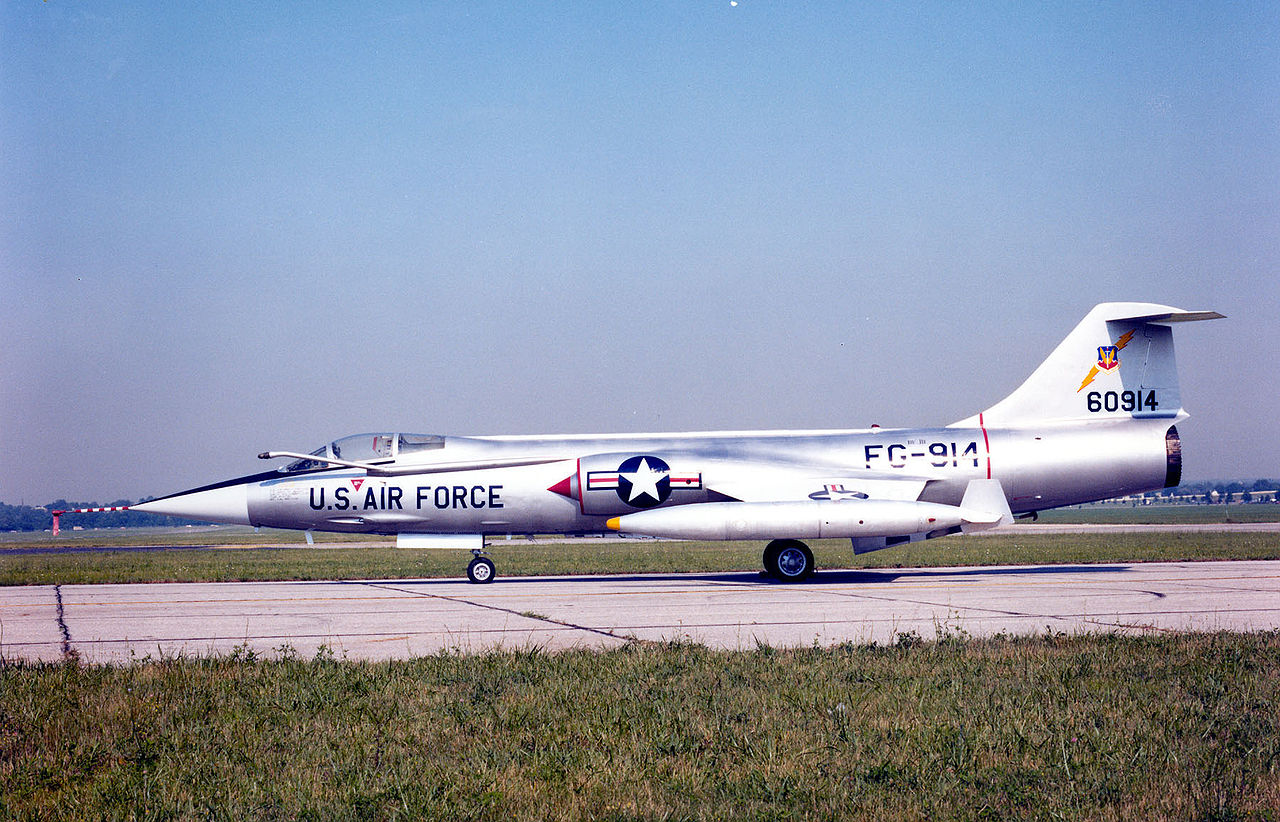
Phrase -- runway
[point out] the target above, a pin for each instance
(393, 619)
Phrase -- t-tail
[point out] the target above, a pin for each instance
(1097, 418)
(1118, 363)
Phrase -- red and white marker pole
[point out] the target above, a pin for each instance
(57, 514)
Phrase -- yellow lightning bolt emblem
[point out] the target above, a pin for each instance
(1093, 372)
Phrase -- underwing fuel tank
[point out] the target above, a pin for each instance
(803, 519)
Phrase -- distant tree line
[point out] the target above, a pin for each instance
(1235, 491)
(27, 518)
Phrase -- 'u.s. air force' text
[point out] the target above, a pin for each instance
(389, 498)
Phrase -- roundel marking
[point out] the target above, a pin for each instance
(644, 482)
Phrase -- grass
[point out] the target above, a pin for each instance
(1091, 548)
(244, 536)
(232, 535)
(1053, 727)
(1162, 514)
(522, 558)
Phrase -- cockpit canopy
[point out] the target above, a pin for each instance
(370, 448)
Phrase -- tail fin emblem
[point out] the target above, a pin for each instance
(1108, 359)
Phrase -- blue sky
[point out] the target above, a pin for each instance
(233, 227)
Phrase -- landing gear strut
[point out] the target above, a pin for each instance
(481, 569)
(788, 560)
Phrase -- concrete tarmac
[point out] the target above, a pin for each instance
(395, 619)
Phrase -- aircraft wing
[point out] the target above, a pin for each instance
(775, 486)
(874, 511)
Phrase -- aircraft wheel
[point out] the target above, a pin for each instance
(771, 557)
(788, 560)
(481, 570)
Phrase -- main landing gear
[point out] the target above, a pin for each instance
(481, 569)
(788, 560)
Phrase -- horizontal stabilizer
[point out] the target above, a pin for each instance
(1173, 316)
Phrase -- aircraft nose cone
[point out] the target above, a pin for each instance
(229, 504)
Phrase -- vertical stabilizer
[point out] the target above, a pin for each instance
(1118, 363)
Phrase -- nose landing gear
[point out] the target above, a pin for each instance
(481, 569)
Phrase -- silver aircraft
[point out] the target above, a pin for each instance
(1096, 420)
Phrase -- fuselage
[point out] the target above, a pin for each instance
(571, 484)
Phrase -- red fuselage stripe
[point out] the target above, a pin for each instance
(986, 442)
(582, 497)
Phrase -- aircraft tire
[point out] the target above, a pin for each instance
(481, 570)
(788, 560)
(771, 557)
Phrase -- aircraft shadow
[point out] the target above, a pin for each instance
(890, 574)
(834, 576)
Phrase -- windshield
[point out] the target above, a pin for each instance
(371, 448)
(308, 465)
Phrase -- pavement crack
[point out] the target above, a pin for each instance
(67, 653)
(511, 611)
(931, 604)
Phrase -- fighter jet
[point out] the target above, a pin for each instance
(1098, 419)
